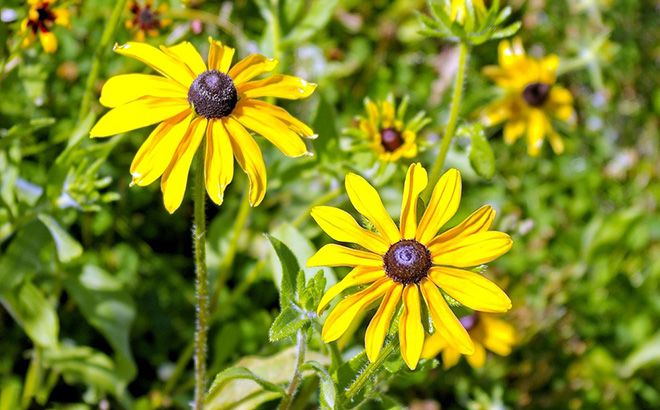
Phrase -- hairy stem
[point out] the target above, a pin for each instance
(371, 370)
(297, 373)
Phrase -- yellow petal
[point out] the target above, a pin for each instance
(478, 358)
(337, 255)
(341, 226)
(560, 96)
(497, 112)
(343, 314)
(380, 323)
(124, 88)
(174, 180)
(283, 115)
(249, 157)
(48, 41)
(513, 130)
(137, 114)
(250, 67)
(556, 142)
(220, 56)
(499, 336)
(278, 86)
(411, 331)
(157, 151)
(442, 206)
(159, 61)
(480, 220)
(360, 275)
(450, 357)
(218, 162)
(366, 201)
(416, 180)
(471, 289)
(473, 250)
(186, 54)
(433, 344)
(444, 319)
(536, 128)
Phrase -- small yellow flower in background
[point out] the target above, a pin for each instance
(385, 130)
(399, 263)
(191, 100)
(486, 331)
(146, 19)
(459, 8)
(40, 21)
(531, 100)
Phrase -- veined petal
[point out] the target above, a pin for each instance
(220, 56)
(442, 206)
(343, 314)
(278, 86)
(380, 323)
(416, 180)
(250, 67)
(471, 289)
(479, 221)
(137, 114)
(444, 319)
(174, 180)
(499, 336)
(124, 88)
(478, 358)
(186, 54)
(157, 151)
(360, 275)
(283, 115)
(156, 59)
(249, 157)
(473, 250)
(337, 255)
(341, 226)
(411, 331)
(218, 162)
(366, 201)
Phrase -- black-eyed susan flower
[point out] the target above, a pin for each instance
(40, 21)
(192, 100)
(487, 332)
(145, 19)
(386, 132)
(399, 263)
(531, 98)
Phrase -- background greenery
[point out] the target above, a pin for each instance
(96, 279)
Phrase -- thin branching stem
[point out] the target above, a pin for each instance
(301, 345)
(371, 370)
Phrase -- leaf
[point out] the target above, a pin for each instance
(328, 391)
(224, 377)
(327, 145)
(23, 255)
(646, 354)
(10, 391)
(34, 314)
(67, 247)
(316, 18)
(289, 270)
(313, 292)
(287, 323)
(481, 155)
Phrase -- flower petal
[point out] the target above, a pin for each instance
(442, 206)
(278, 86)
(250, 67)
(450, 357)
(48, 41)
(124, 88)
(471, 289)
(478, 358)
(283, 115)
(472, 250)
(220, 56)
(380, 323)
(499, 336)
(337, 255)
(249, 157)
(218, 162)
(366, 201)
(360, 275)
(416, 180)
(480, 220)
(186, 54)
(137, 114)
(156, 59)
(444, 319)
(536, 128)
(513, 130)
(433, 344)
(411, 331)
(341, 226)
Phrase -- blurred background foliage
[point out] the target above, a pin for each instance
(96, 279)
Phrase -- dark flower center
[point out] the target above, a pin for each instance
(536, 94)
(407, 261)
(469, 321)
(390, 139)
(213, 94)
(44, 21)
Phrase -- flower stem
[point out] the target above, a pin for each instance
(201, 284)
(370, 371)
(297, 374)
(456, 98)
(327, 197)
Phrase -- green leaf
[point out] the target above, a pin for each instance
(316, 18)
(289, 268)
(34, 314)
(67, 247)
(23, 255)
(482, 158)
(10, 391)
(313, 292)
(327, 145)
(224, 377)
(328, 391)
(646, 354)
(287, 323)
(507, 31)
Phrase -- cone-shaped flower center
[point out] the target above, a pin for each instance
(390, 139)
(407, 261)
(213, 94)
(469, 321)
(535, 94)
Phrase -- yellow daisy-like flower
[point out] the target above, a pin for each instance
(192, 100)
(399, 263)
(487, 332)
(531, 100)
(146, 19)
(386, 131)
(40, 21)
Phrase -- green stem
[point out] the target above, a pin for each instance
(456, 97)
(322, 200)
(297, 373)
(201, 284)
(370, 371)
(107, 35)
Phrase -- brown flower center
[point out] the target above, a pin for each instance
(45, 19)
(536, 94)
(390, 139)
(145, 18)
(213, 94)
(407, 261)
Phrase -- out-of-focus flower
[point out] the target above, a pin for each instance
(40, 21)
(458, 9)
(145, 19)
(399, 263)
(531, 97)
(192, 100)
(487, 332)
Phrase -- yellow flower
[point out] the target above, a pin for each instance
(459, 8)
(486, 331)
(531, 100)
(399, 263)
(386, 132)
(145, 19)
(192, 100)
(40, 21)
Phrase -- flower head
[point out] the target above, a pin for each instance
(399, 263)
(40, 21)
(145, 19)
(486, 331)
(531, 98)
(193, 101)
